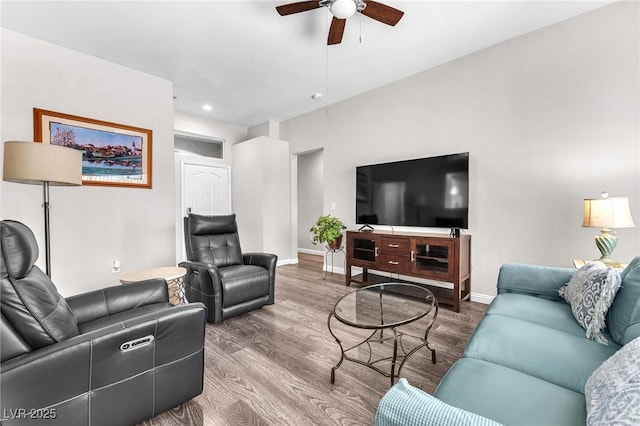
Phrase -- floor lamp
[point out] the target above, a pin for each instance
(46, 164)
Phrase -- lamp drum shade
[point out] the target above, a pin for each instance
(34, 163)
(611, 212)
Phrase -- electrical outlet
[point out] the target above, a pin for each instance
(333, 206)
(115, 268)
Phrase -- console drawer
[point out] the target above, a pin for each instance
(396, 245)
(394, 262)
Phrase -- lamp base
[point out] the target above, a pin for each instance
(606, 242)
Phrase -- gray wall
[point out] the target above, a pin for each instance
(90, 225)
(548, 118)
(310, 193)
(261, 196)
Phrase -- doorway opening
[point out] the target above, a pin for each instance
(310, 194)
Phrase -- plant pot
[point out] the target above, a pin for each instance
(335, 244)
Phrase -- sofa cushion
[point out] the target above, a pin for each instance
(509, 396)
(613, 390)
(591, 292)
(553, 314)
(30, 301)
(623, 318)
(406, 405)
(555, 356)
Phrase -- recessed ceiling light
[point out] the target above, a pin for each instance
(316, 96)
(207, 107)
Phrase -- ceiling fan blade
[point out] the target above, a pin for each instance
(336, 30)
(381, 12)
(301, 6)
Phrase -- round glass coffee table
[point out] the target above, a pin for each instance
(381, 307)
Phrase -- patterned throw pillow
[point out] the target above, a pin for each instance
(613, 390)
(591, 292)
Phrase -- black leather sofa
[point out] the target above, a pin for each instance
(227, 281)
(114, 356)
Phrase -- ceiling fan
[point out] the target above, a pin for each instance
(343, 9)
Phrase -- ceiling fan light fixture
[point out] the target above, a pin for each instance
(343, 9)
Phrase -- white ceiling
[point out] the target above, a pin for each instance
(254, 65)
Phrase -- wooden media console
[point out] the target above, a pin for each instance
(436, 257)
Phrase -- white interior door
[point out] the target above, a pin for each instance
(205, 189)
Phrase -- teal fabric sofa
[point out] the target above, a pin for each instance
(528, 360)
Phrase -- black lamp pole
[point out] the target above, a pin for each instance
(47, 238)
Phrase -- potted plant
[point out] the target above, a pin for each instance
(328, 230)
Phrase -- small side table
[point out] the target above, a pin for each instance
(332, 251)
(174, 275)
(578, 263)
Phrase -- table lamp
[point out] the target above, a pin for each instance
(607, 213)
(46, 164)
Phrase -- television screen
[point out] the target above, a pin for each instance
(429, 192)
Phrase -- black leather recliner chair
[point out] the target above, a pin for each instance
(227, 281)
(114, 356)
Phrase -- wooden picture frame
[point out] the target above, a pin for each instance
(112, 154)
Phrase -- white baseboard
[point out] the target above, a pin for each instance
(336, 269)
(310, 251)
(481, 298)
(282, 262)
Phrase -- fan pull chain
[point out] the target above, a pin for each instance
(327, 83)
(326, 23)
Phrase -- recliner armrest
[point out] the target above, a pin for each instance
(203, 283)
(266, 260)
(210, 283)
(112, 300)
(540, 281)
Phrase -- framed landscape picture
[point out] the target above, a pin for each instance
(112, 154)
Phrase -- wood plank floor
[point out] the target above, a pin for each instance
(272, 366)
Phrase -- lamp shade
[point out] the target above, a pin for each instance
(611, 212)
(35, 163)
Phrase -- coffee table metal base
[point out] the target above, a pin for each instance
(395, 338)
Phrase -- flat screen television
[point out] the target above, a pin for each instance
(429, 192)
